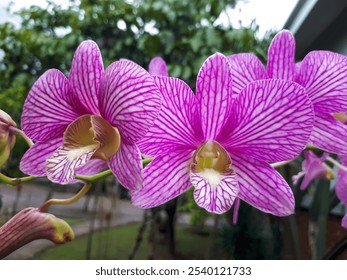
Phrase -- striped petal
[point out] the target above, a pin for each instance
(323, 74)
(46, 113)
(344, 221)
(213, 90)
(329, 134)
(246, 68)
(34, 160)
(178, 121)
(157, 67)
(272, 121)
(126, 165)
(281, 55)
(129, 99)
(262, 186)
(91, 167)
(165, 178)
(62, 164)
(85, 77)
(213, 191)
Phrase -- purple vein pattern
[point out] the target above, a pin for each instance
(323, 75)
(269, 120)
(125, 95)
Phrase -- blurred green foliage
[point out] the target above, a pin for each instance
(183, 32)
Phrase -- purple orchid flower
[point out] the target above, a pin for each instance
(92, 118)
(221, 145)
(323, 74)
(344, 221)
(341, 186)
(157, 67)
(313, 167)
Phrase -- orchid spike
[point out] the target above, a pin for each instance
(313, 167)
(221, 146)
(90, 120)
(323, 74)
(30, 224)
(7, 138)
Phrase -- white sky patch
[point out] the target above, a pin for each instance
(268, 14)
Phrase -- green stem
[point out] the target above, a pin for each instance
(67, 201)
(335, 162)
(106, 173)
(17, 131)
(16, 181)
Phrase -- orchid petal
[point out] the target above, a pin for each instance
(62, 164)
(213, 90)
(344, 221)
(85, 77)
(329, 134)
(177, 123)
(341, 184)
(34, 160)
(214, 192)
(246, 68)
(272, 121)
(129, 99)
(126, 165)
(262, 186)
(91, 167)
(46, 113)
(323, 74)
(165, 178)
(157, 67)
(281, 55)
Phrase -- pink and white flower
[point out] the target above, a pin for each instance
(89, 120)
(222, 145)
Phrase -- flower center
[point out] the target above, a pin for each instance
(211, 156)
(91, 132)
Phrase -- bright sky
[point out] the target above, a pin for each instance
(269, 14)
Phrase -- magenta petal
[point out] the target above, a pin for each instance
(129, 99)
(157, 67)
(281, 55)
(165, 178)
(214, 198)
(177, 123)
(92, 167)
(262, 186)
(46, 113)
(323, 74)
(329, 134)
(85, 76)
(34, 160)
(246, 68)
(344, 221)
(126, 165)
(272, 121)
(213, 90)
(341, 184)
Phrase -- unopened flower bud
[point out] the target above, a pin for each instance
(7, 139)
(30, 224)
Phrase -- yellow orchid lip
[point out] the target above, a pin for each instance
(212, 156)
(92, 132)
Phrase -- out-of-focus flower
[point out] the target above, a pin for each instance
(157, 67)
(222, 145)
(344, 221)
(7, 138)
(323, 74)
(92, 118)
(31, 224)
(341, 183)
(313, 167)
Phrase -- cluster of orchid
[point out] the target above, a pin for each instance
(159, 138)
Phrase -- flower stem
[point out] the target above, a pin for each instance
(17, 131)
(280, 163)
(106, 173)
(335, 162)
(67, 201)
(16, 181)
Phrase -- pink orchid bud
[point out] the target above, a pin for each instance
(30, 224)
(7, 139)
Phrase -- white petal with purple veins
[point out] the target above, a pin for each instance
(213, 191)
